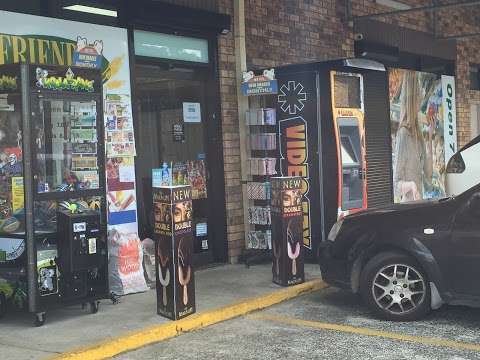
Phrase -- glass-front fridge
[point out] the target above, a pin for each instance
(55, 180)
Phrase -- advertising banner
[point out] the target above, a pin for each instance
(45, 41)
(420, 136)
(449, 116)
(297, 132)
(263, 84)
(174, 243)
(287, 230)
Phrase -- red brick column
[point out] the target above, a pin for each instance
(231, 142)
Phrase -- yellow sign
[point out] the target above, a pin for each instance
(18, 197)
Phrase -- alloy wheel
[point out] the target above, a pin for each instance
(398, 288)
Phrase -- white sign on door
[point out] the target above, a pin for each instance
(192, 112)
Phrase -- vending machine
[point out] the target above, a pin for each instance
(333, 131)
(53, 248)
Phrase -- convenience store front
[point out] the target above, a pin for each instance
(159, 105)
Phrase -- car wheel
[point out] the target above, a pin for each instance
(395, 287)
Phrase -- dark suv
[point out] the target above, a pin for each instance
(406, 259)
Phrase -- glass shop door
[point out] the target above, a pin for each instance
(171, 134)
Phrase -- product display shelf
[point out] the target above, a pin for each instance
(261, 147)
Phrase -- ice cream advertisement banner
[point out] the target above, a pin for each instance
(46, 41)
(423, 130)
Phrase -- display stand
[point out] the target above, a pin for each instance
(287, 231)
(174, 251)
(259, 154)
(53, 248)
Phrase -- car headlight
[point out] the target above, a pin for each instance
(335, 230)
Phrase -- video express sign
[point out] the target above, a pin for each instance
(297, 118)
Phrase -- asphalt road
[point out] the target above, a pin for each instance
(328, 324)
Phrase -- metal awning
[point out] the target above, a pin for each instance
(434, 8)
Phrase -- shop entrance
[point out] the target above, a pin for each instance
(171, 132)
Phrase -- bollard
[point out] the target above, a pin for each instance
(174, 251)
(287, 230)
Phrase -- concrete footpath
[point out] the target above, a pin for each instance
(222, 293)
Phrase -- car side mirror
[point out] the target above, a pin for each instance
(456, 165)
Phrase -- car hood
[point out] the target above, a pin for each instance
(404, 208)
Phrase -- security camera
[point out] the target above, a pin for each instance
(358, 36)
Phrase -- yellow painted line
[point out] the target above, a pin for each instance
(157, 333)
(367, 332)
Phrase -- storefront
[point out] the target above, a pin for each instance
(159, 105)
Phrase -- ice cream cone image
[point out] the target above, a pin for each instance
(293, 249)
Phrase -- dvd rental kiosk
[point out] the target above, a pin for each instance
(53, 249)
(333, 119)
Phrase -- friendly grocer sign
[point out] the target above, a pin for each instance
(51, 50)
(44, 41)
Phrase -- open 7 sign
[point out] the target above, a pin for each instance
(449, 116)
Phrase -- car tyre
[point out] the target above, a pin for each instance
(395, 287)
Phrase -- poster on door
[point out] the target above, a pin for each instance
(119, 136)
(46, 41)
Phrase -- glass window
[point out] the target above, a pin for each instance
(351, 150)
(12, 213)
(474, 77)
(66, 146)
(173, 47)
(45, 212)
(347, 91)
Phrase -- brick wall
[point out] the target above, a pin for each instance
(466, 53)
(280, 32)
(231, 138)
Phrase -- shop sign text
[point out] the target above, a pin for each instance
(294, 162)
(259, 84)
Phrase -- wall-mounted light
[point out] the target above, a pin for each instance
(91, 10)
